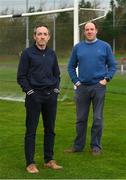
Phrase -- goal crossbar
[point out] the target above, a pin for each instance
(36, 13)
(75, 10)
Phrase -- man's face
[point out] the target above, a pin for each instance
(41, 37)
(90, 31)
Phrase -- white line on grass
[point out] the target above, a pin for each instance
(12, 99)
(22, 99)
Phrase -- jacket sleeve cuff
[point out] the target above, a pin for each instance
(78, 83)
(56, 90)
(30, 92)
(107, 79)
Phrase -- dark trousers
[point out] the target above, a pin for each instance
(45, 103)
(84, 96)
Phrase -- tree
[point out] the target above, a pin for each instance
(106, 28)
(12, 35)
(84, 4)
(121, 3)
(64, 32)
(116, 29)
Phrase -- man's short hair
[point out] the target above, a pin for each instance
(96, 26)
(40, 25)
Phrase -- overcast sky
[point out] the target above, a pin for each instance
(20, 5)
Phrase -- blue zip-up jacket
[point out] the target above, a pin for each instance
(38, 69)
(95, 61)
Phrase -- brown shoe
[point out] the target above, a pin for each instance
(96, 151)
(53, 165)
(71, 150)
(32, 168)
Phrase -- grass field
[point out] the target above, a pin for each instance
(110, 165)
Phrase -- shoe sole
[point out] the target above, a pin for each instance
(47, 167)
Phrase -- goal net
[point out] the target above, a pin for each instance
(16, 34)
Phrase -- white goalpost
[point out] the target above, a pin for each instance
(75, 10)
(76, 26)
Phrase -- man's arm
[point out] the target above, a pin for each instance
(22, 73)
(73, 62)
(56, 73)
(111, 64)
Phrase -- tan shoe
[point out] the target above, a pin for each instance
(71, 150)
(96, 151)
(53, 165)
(32, 168)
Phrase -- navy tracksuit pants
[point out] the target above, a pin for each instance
(44, 102)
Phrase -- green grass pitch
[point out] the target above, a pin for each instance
(110, 165)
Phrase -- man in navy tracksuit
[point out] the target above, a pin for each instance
(39, 77)
(96, 66)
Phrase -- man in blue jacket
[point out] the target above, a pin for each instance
(96, 67)
(39, 77)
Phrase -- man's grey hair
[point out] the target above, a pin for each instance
(40, 25)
